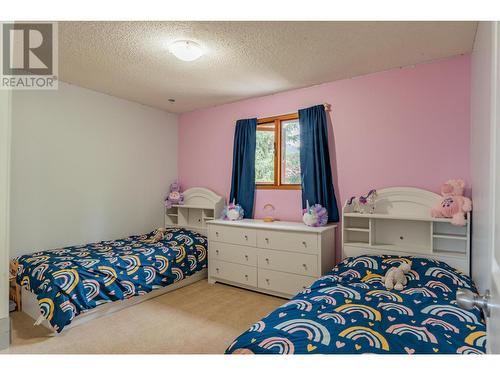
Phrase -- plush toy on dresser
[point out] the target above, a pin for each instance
(454, 205)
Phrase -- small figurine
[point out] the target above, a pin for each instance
(315, 215)
(175, 196)
(233, 212)
(364, 204)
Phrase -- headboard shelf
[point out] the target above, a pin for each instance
(200, 205)
(402, 225)
(398, 217)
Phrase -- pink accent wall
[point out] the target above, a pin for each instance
(403, 127)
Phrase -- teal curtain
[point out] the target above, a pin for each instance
(316, 172)
(243, 179)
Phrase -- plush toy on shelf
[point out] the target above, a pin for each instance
(315, 215)
(395, 278)
(233, 212)
(453, 205)
(175, 196)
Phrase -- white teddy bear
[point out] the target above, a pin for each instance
(395, 278)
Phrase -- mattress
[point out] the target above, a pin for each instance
(72, 280)
(350, 311)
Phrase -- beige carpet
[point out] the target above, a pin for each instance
(199, 318)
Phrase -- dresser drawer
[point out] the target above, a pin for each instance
(234, 235)
(289, 241)
(236, 273)
(283, 282)
(302, 264)
(232, 253)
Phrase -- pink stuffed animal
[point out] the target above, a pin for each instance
(454, 204)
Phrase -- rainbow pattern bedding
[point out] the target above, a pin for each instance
(75, 279)
(350, 311)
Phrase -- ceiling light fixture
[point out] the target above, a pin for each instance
(186, 50)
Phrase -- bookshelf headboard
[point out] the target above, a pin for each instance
(200, 205)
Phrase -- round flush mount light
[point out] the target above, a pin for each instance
(186, 50)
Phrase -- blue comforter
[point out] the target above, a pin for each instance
(350, 311)
(74, 279)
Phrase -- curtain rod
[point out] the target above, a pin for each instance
(328, 108)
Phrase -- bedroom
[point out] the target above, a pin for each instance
(198, 175)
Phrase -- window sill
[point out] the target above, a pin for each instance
(278, 187)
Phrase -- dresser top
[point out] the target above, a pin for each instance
(276, 225)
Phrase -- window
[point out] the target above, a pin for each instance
(277, 155)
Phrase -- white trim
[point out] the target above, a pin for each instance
(5, 140)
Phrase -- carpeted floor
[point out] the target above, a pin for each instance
(199, 318)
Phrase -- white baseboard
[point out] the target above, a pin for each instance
(4, 333)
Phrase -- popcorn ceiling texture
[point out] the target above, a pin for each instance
(243, 59)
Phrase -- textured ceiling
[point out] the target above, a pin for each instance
(243, 59)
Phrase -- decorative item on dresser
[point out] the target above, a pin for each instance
(279, 258)
(402, 225)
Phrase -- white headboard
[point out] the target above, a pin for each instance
(200, 205)
(402, 225)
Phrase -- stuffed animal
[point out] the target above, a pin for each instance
(315, 215)
(158, 236)
(454, 204)
(233, 212)
(395, 278)
(175, 196)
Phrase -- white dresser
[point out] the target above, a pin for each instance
(280, 258)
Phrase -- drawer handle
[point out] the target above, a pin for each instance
(267, 260)
(267, 240)
(246, 257)
(246, 277)
(304, 243)
(267, 281)
(305, 266)
(246, 237)
(217, 252)
(304, 287)
(216, 234)
(217, 270)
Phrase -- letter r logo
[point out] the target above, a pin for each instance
(27, 49)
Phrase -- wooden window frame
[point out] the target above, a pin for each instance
(277, 120)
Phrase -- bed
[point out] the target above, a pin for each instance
(349, 311)
(70, 281)
(63, 288)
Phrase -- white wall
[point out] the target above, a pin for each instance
(86, 167)
(5, 113)
(482, 123)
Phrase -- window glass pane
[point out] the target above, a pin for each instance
(264, 154)
(290, 152)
